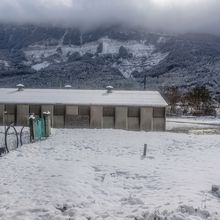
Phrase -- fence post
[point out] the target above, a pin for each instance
(5, 119)
(145, 150)
(47, 120)
(31, 126)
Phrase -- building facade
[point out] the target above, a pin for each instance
(129, 110)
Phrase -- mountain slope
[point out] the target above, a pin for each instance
(42, 56)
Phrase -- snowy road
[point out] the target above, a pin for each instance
(196, 125)
(99, 174)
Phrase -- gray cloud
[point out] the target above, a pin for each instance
(166, 15)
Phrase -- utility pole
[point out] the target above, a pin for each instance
(145, 81)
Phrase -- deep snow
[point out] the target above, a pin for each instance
(100, 174)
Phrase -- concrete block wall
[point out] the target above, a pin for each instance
(58, 121)
(35, 109)
(72, 110)
(159, 124)
(121, 118)
(96, 117)
(10, 116)
(108, 122)
(48, 108)
(73, 118)
(70, 114)
(2, 107)
(146, 119)
(159, 119)
(22, 115)
(133, 123)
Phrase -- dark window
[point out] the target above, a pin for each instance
(35, 109)
(109, 111)
(10, 109)
(84, 110)
(59, 110)
(133, 112)
(159, 112)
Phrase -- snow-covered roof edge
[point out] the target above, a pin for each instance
(82, 97)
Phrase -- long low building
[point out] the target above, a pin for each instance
(69, 108)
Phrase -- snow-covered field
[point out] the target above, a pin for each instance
(101, 174)
(195, 125)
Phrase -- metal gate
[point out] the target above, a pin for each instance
(38, 128)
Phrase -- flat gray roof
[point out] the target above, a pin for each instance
(82, 97)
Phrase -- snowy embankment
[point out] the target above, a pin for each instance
(199, 125)
(100, 174)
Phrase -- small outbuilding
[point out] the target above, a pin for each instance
(69, 108)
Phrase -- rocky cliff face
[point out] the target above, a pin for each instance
(46, 56)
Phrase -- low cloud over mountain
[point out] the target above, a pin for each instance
(166, 15)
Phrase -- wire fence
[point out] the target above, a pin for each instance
(24, 136)
(11, 137)
(2, 141)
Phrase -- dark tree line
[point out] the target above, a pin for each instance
(197, 101)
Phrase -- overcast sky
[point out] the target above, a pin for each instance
(166, 15)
